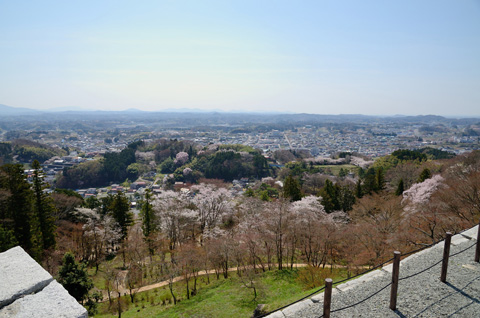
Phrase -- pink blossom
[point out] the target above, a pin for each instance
(420, 193)
(181, 158)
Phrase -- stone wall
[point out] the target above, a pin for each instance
(27, 290)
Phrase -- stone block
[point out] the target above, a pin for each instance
(52, 301)
(20, 275)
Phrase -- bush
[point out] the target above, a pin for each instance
(312, 277)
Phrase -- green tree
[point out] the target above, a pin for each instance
(264, 195)
(359, 189)
(7, 239)
(249, 193)
(380, 180)
(291, 189)
(91, 203)
(74, 277)
(43, 208)
(105, 204)
(16, 211)
(167, 166)
(346, 198)
(400, 188)
(120, 209)
(148, 220)
(370, 182)
(424, 175)
(330, 197)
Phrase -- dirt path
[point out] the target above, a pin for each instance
(123, 290)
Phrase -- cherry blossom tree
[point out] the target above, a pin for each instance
(211, 204)
(100, 235)
(420, 193)
(175, 219)
(181, 158)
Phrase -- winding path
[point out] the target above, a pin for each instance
(124, 290)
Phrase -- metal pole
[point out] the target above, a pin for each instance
(446, 254)
(395, 273)
(327, 301)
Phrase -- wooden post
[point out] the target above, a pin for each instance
(327, 300)
(477, 251)
(446, 254)
(395, 273)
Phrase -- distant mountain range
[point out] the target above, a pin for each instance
(12, 111)
(64, 113)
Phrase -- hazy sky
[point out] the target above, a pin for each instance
(328, 57)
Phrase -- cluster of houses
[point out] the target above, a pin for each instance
(56, 164)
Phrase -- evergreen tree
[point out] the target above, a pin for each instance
(43, 208)
(148, 220)
(400, 188)
(330, 196)
(346, 198)
(370, 182)
(380, 180)
(120, 209)
(74, 277)
(7, 239)
(359, 189)
(291, 189)
(16, 211)
(105, 204)
(424, 175)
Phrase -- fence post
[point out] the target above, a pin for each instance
(477, 251)
(446, 254)
(327, 300)
(395, 273)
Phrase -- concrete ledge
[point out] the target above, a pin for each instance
(472, 233)
(277, 314)
(360, 280)
(52, 301)
(459, 239)
(319, 298)
(20, 275)
(290, 311)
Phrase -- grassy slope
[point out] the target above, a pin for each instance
(221, 298)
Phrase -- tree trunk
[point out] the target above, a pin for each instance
(119, 305)
(109, 297)
(170, 286)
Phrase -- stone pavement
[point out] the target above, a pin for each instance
(27, 290)
(422, 295)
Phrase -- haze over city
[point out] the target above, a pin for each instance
(369, 57)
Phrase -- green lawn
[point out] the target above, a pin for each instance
(221, 298)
